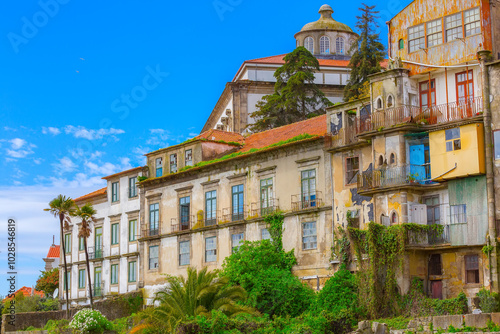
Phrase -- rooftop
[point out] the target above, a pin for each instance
(326, 22)
(53, 251)
(27, 292)
(279, 61)
(93, 194)
(219, 135)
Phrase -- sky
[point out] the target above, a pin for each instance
(88, 87)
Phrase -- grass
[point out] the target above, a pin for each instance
(395, 323)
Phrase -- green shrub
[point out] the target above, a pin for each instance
(488, 301)
(87, 321)
(56, 326)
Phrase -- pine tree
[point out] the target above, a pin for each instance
(295, 96)
(367, 53)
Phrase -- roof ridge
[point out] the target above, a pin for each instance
(266, 57)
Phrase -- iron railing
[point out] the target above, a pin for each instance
(430, 237)
(152, 230)
(344, 137)
(98, 289)
(95, 253)
(431, 115)
(393, 176)
(212, 219)
(264, 208)
(234, 214)
(309, 200)
(183, 223)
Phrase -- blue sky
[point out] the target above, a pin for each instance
(87, 87)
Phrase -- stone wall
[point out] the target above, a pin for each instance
(113, 307)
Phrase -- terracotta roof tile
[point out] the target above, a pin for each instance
(314, 126)
(279, 60)
(27, 292)
(219, 135)
(53, 251)
(96, 193)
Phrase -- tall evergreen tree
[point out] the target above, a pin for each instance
(367, 53)
(295, 96)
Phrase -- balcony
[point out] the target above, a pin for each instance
(184, 223)
(95, 253)
(212, 218)
(405, 175)
(413, 115)
(262, 209)
(235, 214)
(343, 137)
(151, 230)
(305, 201)
(428, 238)
(98, 289)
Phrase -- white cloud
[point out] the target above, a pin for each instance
(51, 130)
(91, 134)
(139, 152)
(17, 143)
(82, 154)
(158, 137)
(19, 148)
(108, 168)
(8, 128)
(64, 165)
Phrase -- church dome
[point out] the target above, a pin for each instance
(326, 22)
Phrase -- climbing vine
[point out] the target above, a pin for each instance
(380, 253)
(274, 223)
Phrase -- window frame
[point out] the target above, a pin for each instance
(401, 43)
(468, 264)
(114, 268)
(438, 33)
(152, 264)
(181, 254)
(420, 37)
(266, 232)
(352, 171)
(158, 167)
(67, 243)
(309, 197)
(312, 44)
(468, 85)
(66, 278)
(115, 192)
(458, 214)
(426, 92)
(81, 244)
(477, 22)
(132, 187)
(211, 203)
(452, 27)
(266, 195)
(455, 143)
(313, 236)
(323, 42)
(132, 237)
(115, 234)
(184, 203)
(154, 212)
(340, 40)
(133, 278)
(240, 240)
(214, 250)
(173, 163)
(188, 153)
(237, 202)
(81, 277)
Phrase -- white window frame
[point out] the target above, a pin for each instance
(472, 21)
(416, 38)
(309, 236)
(309, 44)
(184, 253)
(154, 262)
(434, 32)
(324, 45)
(211, 253)
(340, 45)
(453, 26)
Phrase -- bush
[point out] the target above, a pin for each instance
(56, 326)
(488, 301)
(87, 320)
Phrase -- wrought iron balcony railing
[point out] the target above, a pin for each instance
(95, 253)
(234, 214)
(310, 200)
(393, 176)
(151, 230)
(98, 289)
(430, 237)
(431, 115)
(264, 208)
(212, 218)
(183, 223)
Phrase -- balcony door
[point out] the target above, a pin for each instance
(98, 242)
(465, 93)
(427, 96)
(154, 219)
(266, 196)
(97, 281)
(417, 162)
(308, 188)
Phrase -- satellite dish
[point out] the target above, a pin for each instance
(56, 292)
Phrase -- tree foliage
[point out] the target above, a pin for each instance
(48, 281)
(295, 96)
(366, 54)
(340, 293)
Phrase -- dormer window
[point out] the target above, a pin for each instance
(340, 45)
(173, 163)
(159, 167)
(324, 45)
(309, 44)
(188, 158)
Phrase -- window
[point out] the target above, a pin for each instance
(496, 141)
(324, 45)
(434, 33)
(379, 103)
(98, 241)
(394, 218)
(458, 214)
(97, 288)
(132, 277)
(188, 158)
(184, 207)
(453, 25)
(309, 44)
(452, 137)
(237, 202)
(433, 210)
(81, 244)
(236, 241)
(309, 235)
(390, 101)
(114, 274)
(159, 167)
(67, 281)
(265, 235)
(210, 208)
(115, 232)
(416, 38)
(465, 86)
(115, 191)
(340, 45)
(173, 163)
(184, 253)
(380, 160)
(471, 21)
(392, 159)
(471, 269)
(435, 267)
(132, 187)
(308, 188)
(153, 257)
(81, 279)
(351, 170)
(266, 196)
(154, 219)
(401, 44)
(67, 243)
(425, 92)
(211, 249)
(132, 230)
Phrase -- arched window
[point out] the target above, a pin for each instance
(390, 101)
(380, 160)
(324, 45)
(379, 103)
(309, 44)
(393, 159)
(340, 45)
(394, 218)
(401, 44)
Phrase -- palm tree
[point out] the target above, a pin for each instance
(86, 214)
(198, 294)
(63, 207)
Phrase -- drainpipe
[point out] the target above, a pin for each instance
(484, 55)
